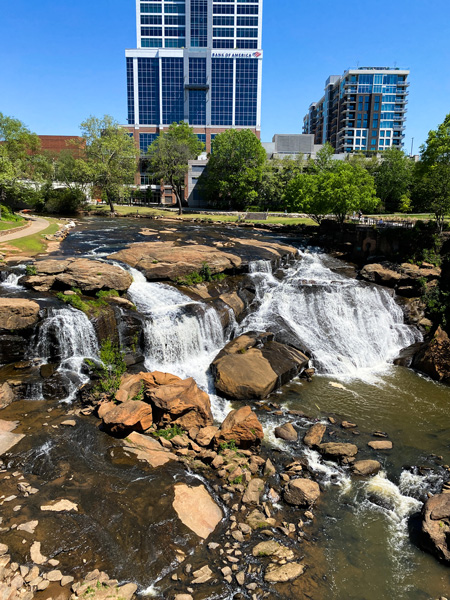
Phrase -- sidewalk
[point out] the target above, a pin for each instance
(39, 224)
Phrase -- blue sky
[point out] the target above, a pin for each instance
(62, 61)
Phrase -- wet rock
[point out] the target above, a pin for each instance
(69, 423)
(6, 395)
(60, 506)
(8, 440)
(29, 527)
(202, 575)
(286, 432)
(253, 366)
(18, 313)
(242, 427)
(35, 554)
(435, 535)
(88, 275)
(148, 449)
(184, 597)
(302, 492)
(347, 425)
(253, 492)
(314, 435)
(284, 573)
(269, 468)
(381, 274)
(433, 358)
(338, 450)
(273, 549)
(54, 575)
(131, 415)
(232, 300)
(380, 445)
(366, 467)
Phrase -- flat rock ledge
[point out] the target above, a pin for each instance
(18, 313)
(89, 276)
(253, 366)
(206, 516)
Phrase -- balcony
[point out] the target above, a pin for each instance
(196, 86)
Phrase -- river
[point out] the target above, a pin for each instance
(353, 331)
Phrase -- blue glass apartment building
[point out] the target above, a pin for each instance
(197, 61)
(362, 110)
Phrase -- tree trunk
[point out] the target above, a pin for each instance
(177, 191)
(111, 202)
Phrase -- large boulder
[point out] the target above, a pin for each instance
(166, 261)
(314, 435)
(172, 399)
(253, 366)
(302, 492)
(242, 427)
(89, 276)
(433, 358)
(206, 516)
(18, 313)
(435, 536)
(127, 416)
(338, 450)
(406, 278)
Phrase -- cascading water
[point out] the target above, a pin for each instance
(68, 337)
(350, 328)
(12, 279)
(182, 336)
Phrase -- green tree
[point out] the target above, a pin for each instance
(73, 171)
(324, 159)
(277, 173)
(432, 189)
(111, 156)
(235, 170)
(169, 154)
(304, 194)
(393, 178)
(18, 148)
(349, 188)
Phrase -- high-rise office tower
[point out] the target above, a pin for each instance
(363, 109)
(196, 60)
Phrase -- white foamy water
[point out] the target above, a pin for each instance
(182, 336)
(68, 336)
(12, 280)
(351, 329)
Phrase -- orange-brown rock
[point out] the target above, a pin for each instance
(130, 415)
(87, 275)
(206, 516)
(436, 526)
(242, 427)
(172, 399)
(314, 435)
(181, 402)
(148, 449)
(165, 260)
(18, 313)
(253, 366)
(433, 358)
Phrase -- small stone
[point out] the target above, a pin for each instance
(284, 573)
(66, 580)
(237, 535)
(202, 575)
(54, 575)
(43, 585)
(240, 577)
(35, 554)
(53, 562)
(3, 549)
(380, 445)
(69, 423)
(226, 571)
(60, 506)
(253, 492)
(348, 425)
(34, 572)
(286, 432)
(269, 469)
(24, 570)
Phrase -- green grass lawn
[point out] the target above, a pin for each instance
(34, 244)
(5, 225)
(145, 210)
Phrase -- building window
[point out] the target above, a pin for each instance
(199, 23)
(223, 43)
(223, 21)
(172, 90)
(146, 140)
(246, 92)
(151, 19)
(222, 91)
(130, 91)
(148, 79)
(247, 44)
(246, 33)
(151, 43)
(151, 8)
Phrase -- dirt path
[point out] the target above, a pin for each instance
(36, 226)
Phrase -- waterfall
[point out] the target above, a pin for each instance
(350, 328)
(67, 336)
(182, 336)
(12, 279)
